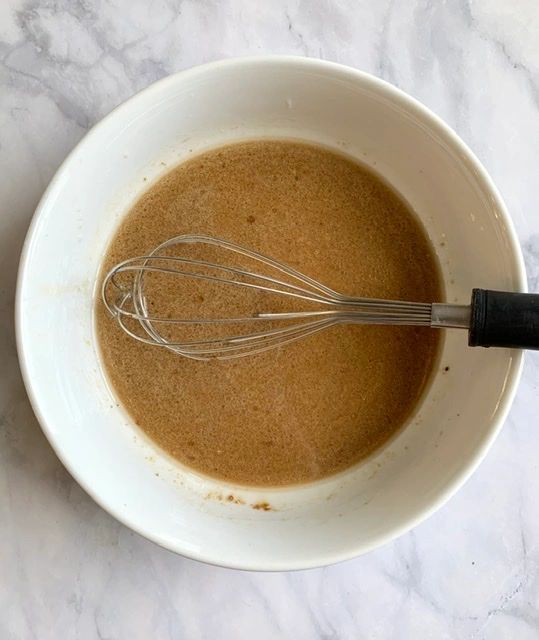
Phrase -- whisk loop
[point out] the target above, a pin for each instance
(129, 304)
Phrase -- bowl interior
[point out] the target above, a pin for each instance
(137, 143)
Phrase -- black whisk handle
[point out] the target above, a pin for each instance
(504, 319)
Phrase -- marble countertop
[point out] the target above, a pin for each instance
(69, 570)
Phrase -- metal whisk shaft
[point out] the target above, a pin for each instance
(128, 302)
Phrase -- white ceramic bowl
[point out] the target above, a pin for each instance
(185, 114)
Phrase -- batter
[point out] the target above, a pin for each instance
(312, 408)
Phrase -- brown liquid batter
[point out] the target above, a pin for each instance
(312, 408)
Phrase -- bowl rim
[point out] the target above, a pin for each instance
(396, 95)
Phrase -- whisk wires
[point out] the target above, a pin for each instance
(127, 297)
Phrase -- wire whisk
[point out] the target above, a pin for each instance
(126, 295)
